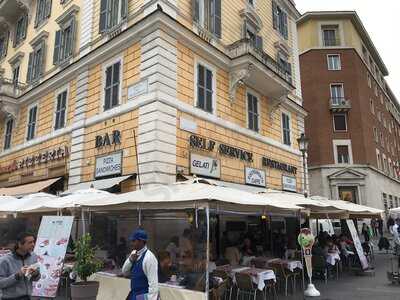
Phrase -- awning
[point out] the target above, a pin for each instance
(101, 184)
(28, 188)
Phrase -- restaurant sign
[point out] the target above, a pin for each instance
(201, 143)
(289, 183)
(108, 165)
(255, 177)
(37, 159)
(267, 162)
(205, 166)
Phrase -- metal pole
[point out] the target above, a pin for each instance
(137, 160)
(302, 260)
(208, 251)
(304, 175)
(83, 222)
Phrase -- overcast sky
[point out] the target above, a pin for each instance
(382, 23)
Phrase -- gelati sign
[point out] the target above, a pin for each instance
(201, 143)
(205, 166)
(36, 159)
(255, 177)
(108, 139)
(108, 165)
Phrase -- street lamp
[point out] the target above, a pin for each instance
(303, 147)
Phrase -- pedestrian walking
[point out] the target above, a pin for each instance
(396, 240)
(374, 227)
(380, 227)
(18, 269)
(390, 224)
(142, 267)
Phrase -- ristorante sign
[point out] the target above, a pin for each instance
(267, 162)
(201, 143)
(37, 159)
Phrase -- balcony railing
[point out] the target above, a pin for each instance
(331, 42)
(340, 104)
(247, 46)
(10, 88)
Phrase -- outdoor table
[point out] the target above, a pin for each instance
(291, 265)
(259, 276)
(331, 258)
(113, 287)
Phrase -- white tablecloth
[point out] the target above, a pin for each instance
(288, 264)
(117, 288)
(331, 258)
(260, 277)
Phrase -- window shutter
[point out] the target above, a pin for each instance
(275, 15)
(124, 9)
(72, 37)
(285, 26)
(42, 58)
(6, 39)
(48, 8)
(244, 29)
(29, 74)
(259, 43)
(37, 15)
(103, 16)
(25, 27)
(57, 46)
(217, 18)
(196, 10)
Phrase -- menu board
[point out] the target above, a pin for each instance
(51, 247)
(357, 244)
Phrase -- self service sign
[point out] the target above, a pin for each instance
(107, 165)
(205, 166)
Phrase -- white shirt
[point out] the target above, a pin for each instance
(150, 269)
(395, 233)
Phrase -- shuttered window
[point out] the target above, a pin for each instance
(286, 129)
(112, 13)
(207, 14)
(61, 107)
(4, 44)
(20, 29)
(8, 133)
(15, 72)
(112, 86)
(36, 62)
(252, 112)
(343, 154)
(32, 120)
(64, 41)
(280, 20)
(204, 88)
(43, 11)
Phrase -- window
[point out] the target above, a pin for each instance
(369, 80)
(371, 104)
(43, 11)
(379, 116)
(390, 171)
(15, 74)
(112, 13)
(4, 44)
(64, 41)
(61, 107)
(376, 136)
(280, 20)
(396, 201)
(20, 29)
(286, 129)
(251, 35)
(205, 89)
(378, 159)
(382, 140)
(339, 122)
(376, 89)
(330, 35)
(337, 93)
(32, 120)
(385, 167)
(8, 133)
(334, 62)
(252, 2)
(391, 201)
(385, 202)
(252, 112)
(36, 62)
(207, 14)
(285, 66)
(112, 85)
(343, 154)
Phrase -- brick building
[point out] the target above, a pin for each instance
(353, 120)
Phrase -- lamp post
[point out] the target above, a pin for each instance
(303, 147)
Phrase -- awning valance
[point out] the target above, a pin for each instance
(29, 188)
(101, 184)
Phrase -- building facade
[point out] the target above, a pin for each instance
(353, 121)
(122, 94)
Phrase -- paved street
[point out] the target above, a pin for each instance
(351, 287)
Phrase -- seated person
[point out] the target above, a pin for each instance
(248, 249)
(330, 248)
(164, 266)
(173, 249)
(232, 254)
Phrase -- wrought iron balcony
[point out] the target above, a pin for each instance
(331, 42)
(339, 104)
(247, 46)
(11, 89)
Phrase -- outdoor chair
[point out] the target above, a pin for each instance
(288, 275)
(319, 267)
(270, 288)
(220, 292)
(245, 287)
(227, 280)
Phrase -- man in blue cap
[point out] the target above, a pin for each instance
(142, 267)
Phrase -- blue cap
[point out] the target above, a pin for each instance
(139, 235)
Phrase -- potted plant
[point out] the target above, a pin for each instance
(86, 264)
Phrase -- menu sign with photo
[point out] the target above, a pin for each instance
(51, 247)
(357, 244)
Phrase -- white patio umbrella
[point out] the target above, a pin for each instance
(30, 202)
